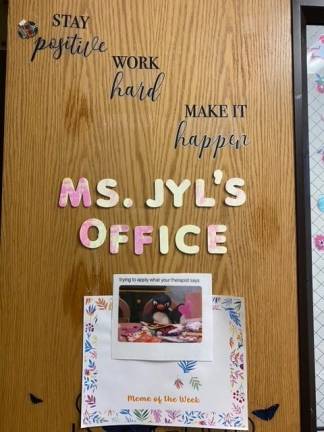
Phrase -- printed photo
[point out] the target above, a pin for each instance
(162, 317)
(160, 314)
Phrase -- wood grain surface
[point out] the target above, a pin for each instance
(61, 123)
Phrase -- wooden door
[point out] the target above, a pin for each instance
(62, 122)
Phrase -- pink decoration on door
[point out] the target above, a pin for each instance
(319, 242)
(140, 239)
(116, 237)
(68, 191)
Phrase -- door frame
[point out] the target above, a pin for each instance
(304, 12)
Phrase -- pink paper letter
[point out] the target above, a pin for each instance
(116, 238)
(84, 233)
(69, 192)
(214, 239)
(140, 239)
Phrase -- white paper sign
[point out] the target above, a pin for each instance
(184, 393)
(188, 293)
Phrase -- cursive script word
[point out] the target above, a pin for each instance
(70, 44)
(202, 143)
(136, 91)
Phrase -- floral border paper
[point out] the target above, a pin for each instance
(187, 373)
